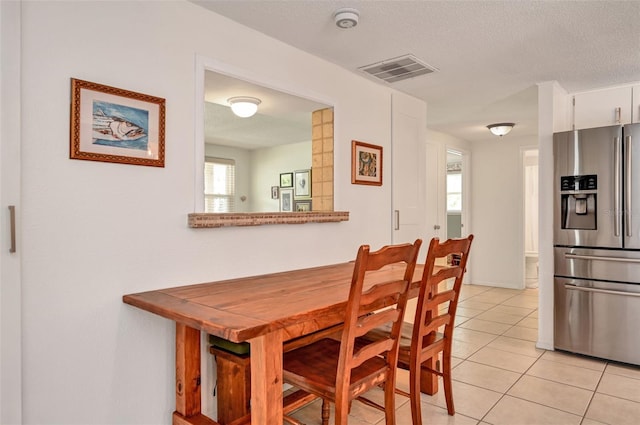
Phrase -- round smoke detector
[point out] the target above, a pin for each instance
(346, 17)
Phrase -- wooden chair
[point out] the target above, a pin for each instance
(425, 339)
(341, 371)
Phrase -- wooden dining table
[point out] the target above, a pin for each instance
(266, 311)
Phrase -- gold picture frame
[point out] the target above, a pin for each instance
(366, 163)
(109, 124)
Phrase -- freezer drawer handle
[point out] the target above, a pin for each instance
(600, 291)
(599, 258)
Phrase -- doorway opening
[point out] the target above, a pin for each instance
(455, 201)
(530, 192)
(458, 198)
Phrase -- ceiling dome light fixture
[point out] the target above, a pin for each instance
(501, 129)
(244, 106)
(346, 17)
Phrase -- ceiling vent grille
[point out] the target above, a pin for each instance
(397, 69)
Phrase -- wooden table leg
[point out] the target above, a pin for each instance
(266, 379)
(188, 401)
(428, 380)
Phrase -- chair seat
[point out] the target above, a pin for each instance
(323, 355)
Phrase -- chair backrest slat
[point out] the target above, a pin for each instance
(449, 273)
(442, 297)
(372, 321)
(370, 351)
(388, 291)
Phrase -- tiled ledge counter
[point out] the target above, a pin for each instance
(209, 220)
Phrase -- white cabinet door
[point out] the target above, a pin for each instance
(10, 269)
(635, 109)
(601, 108)
(408, 131)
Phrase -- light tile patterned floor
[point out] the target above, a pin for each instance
(501, 378)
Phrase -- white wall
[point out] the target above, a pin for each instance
(498, 216)
(93, 231)
(257, 170)
(268, 163)
(553, 116)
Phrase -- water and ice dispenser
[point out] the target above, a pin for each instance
(578, 200)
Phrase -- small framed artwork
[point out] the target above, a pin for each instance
(286, 179)
(115, 125)
(274, 192)
(302, 206)
(366, 163)
(286, 200)
(302, 184)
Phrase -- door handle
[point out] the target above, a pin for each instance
(397, 219)
(617, 182)
(12, 228)
(627, 186)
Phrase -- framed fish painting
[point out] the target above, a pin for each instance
(366, 163)
(115, 125)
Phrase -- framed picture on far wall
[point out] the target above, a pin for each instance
(366, 163)
(302, 206)
(302, 184)
(115, 125)
(286, 200)
(286, 179)
(275, 192)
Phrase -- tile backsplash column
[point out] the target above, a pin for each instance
(322, 160)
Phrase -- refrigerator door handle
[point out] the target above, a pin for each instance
(617, 189)
(569, 256)
(600, 291)
(627, 186)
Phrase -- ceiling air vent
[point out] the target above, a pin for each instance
(398, 69)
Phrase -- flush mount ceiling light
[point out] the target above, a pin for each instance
(501, 129)
(346, 17)
(244, 106)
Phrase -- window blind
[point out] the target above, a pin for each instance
(219, 185)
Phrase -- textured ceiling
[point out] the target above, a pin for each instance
(489, 54)
(282, 118)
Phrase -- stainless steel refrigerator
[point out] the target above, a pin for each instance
(597, 242)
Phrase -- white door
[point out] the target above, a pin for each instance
(10, 302)
(434, 190)
(408, 130)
